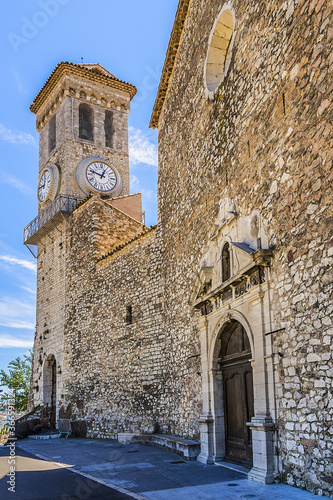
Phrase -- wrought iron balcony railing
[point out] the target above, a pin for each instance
(63, 204)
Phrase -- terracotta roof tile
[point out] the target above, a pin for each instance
(169, 62)
(120, 247)
(93, 72)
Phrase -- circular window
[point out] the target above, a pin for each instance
(220, 45)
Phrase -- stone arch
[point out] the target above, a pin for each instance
(109, 128)
(86, 122)
(214, 347)
(232, 390)
(52, 133)
(220, 45)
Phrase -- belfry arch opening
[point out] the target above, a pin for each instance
(86, 122)
(50, 387)
(237, 400)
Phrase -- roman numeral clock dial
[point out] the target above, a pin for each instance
(101, 176)
(44, 185)
(48, 184)
(98, 176)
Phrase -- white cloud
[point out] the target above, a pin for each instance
(17, 313)
(21, 325)
(29, 290)
(141, 148)
(10, 341)
(16, 183)
(27, 264)
(134, 181)
(149, 194)
(18, 82)
(16, 137)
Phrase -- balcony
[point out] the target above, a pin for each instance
(48, 219)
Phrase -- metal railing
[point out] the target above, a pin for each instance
(63, 203)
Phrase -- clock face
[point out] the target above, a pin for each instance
(44, 185)
(48, 184)
(101, 177)
(96, 175)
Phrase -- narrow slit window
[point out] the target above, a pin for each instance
(52, 133)
(129, 315)
(226, 271)
(108, 129)
(86, 122)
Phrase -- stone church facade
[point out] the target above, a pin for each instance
(215, 324)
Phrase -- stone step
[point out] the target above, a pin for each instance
(187, 448)
(44, 436)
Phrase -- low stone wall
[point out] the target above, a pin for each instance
(33, 422)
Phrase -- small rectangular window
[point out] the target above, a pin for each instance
(129, 317)
(108, 129)
(52, 133)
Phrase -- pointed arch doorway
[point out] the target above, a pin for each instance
(238, 400)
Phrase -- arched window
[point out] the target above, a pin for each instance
(52, 133)
(226, 271)
(86, 122)
(108, 129)
(218, 56)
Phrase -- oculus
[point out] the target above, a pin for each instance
(219, 50)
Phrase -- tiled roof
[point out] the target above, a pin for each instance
(169, 61)
(119, 247)
(93, 72)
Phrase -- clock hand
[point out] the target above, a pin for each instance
(41, 187)
(97, 173)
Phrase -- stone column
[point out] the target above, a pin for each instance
(206, 420)
(262, 428)
(261, 425)
(218, 414)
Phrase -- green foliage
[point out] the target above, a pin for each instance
(4, 430)
(18, 380)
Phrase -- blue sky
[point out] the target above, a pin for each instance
(129, 38)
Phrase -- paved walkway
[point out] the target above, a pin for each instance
(152, 473)
(37, 479)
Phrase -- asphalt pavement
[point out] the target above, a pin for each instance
(37, 479)
(141, 472)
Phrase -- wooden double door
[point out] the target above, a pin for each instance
(238, 410)
(236, 369)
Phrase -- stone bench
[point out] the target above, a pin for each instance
(186, 448)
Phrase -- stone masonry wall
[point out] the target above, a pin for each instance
(50, 315)
(265, 142)
(116, 369)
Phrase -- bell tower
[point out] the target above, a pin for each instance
(82, 119)
(82, 112)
